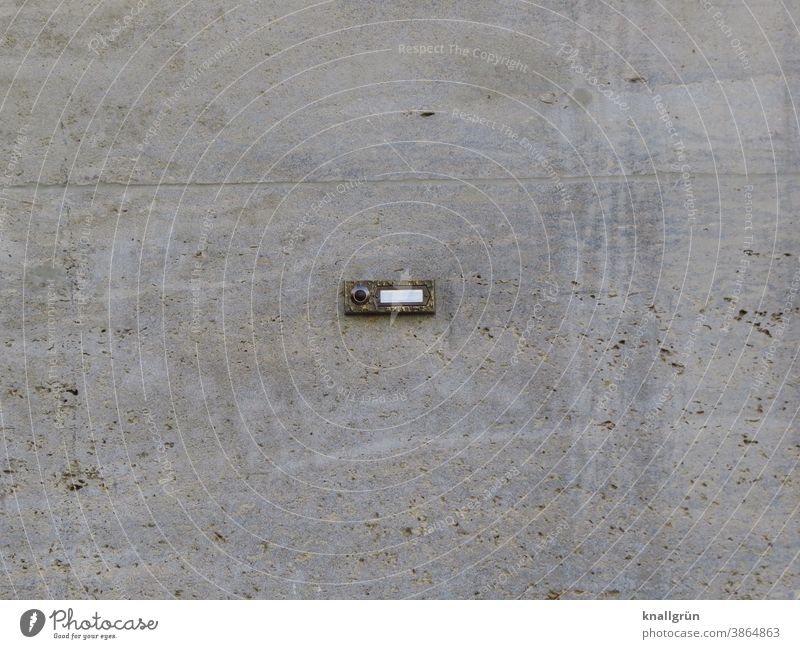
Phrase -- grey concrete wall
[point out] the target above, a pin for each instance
(604, 405)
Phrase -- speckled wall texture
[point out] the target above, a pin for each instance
(604, 404)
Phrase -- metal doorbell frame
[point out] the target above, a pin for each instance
(376, 296)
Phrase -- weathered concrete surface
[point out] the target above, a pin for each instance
(604, 404)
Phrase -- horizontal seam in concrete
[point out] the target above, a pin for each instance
(395, 181)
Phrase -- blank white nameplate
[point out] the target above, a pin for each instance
(402, 296)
